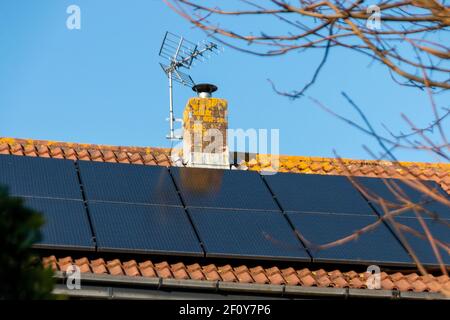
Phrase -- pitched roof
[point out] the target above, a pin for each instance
(438, 172)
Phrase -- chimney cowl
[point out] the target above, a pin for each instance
(204, 90)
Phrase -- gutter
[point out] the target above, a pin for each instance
(106, 286)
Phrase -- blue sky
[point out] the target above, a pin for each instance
(103, 84)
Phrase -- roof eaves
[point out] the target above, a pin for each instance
(108, 286)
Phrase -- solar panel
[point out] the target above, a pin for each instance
(128, 183)
(317, 193)
(143, 229)
(223, 189)
(247, 234)
(387, 189)
(378, 246)
(66, 224)
(39, 177)
(420, 244)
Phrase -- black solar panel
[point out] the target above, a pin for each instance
(247, 234)
(391, 190)
(317, 193)
(418, 241)
(66, 224)
(128, 183)
(143, 229)
(223, 189)
(39, 177)
(378, 246)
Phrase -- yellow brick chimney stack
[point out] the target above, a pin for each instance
(205, 124)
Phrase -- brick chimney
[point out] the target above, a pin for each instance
(205, 123)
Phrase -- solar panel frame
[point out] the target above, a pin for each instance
(128, 183)
(143, 229)
(40, 177)
(66, 224)
(247, 234)
(367, 248)
(378, 188)
(317, 193)
(216, 188)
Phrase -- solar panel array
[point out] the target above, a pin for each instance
(126, 208)
(50, 186)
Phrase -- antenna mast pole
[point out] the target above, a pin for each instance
(172, 67)
(171, 117)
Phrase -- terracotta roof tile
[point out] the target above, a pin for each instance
(96, 155)
(98, 269)
(427, 278)
(257, 274)
(260, 277)
(162, 265)
(419, 286)
(412, 277)
(146, 264)
(256, 270)
(292, 279)
(30, 151)
(340, 282)
(225, 268)
(442, 279)
(164, 272)
(115, 269)
(147, 271)
(180, 274)
(288, 271)
(357, 283)
(387, 284)
(4, 148)
(70, 154)
(83, 155)
(308, 281)
(193, 267)
(303, 272)
(178, 266)
(245, 277)
(197, 274)
(323, 281)
(65, 260)
(213, 275)
(97, 262)
(276, 278)
(319, 273)
(16, 149)
(229, 276)
(57, 153)
(351, 274)
(209, 268)
(397, 276)
(403, 285)
(434, 286)
(273, 270)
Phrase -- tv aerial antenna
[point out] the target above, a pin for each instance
(181, 53)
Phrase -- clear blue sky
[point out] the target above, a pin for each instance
(103, 84)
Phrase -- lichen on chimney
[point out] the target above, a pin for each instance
(205, 124)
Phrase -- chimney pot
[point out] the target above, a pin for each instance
(204, 90)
